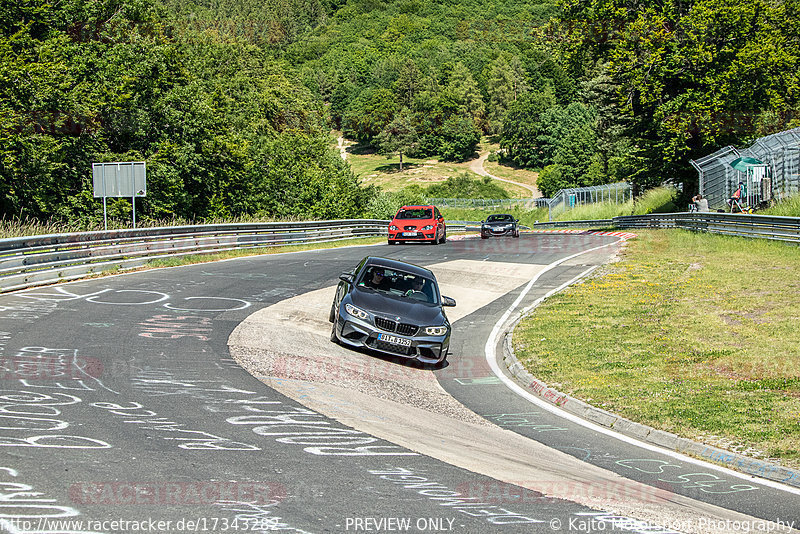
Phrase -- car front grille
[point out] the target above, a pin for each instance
(407, 329)
(385, 324)
(410, 228)
(393, 326)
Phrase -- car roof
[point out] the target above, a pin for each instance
(399, 265)
(416, 207)
(501, 215)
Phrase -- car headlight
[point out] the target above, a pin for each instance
(357, 312)
(393, 228)
(428, 227)
(435, 330)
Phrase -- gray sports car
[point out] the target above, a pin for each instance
(392, 307)
(498, 225)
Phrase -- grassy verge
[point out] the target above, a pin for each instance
(690, 333)
(789, 207)
(27, 227)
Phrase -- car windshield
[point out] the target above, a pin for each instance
(399, 283)
(500, 218)
(419, 213)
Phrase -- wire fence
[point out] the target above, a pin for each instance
(774, 175)
(563, 200)
(496, 203)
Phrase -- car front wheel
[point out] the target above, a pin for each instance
(334, 337)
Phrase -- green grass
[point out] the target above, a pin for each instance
(789, 207)
(384, 172)
(690, 333)
(600, 210)
(527, 217)
(656, 200)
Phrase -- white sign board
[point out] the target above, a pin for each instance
(119, 179)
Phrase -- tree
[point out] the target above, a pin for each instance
(409, 83)
(506, 83)
(399, 137)
(459, 138)
(369, 114)
(522, 125)
(688, 76)
(465, 90)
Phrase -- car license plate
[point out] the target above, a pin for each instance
(394, 340)
(410, 233)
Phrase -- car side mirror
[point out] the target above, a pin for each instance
(346, 277)
(447, 301)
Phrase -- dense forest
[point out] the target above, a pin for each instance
(230, 102)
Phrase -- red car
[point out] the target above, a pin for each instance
(418, 223)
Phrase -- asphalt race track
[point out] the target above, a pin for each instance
(208, 398)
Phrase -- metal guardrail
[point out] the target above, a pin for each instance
(775, 228)
(36, 260)
(786, 229)
(43, 259)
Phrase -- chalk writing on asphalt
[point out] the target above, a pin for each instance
(705, 482)
(33, 419)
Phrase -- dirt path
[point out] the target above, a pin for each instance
(476, 166)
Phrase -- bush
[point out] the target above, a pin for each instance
(463, 186)
(551, 180)
(656, 200)
(384, 205)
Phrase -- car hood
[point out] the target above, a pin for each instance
(409, 310)
(498, 223)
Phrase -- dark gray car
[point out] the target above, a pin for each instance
(392, 307)
(498, 225)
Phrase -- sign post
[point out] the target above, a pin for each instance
(119, 179)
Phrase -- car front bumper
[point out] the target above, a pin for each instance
(356, 332)
(416, 236)
(497, 233)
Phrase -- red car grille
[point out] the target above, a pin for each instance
(410, 228)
